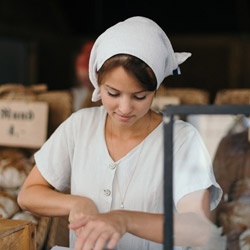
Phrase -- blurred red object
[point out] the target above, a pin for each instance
(82, 64)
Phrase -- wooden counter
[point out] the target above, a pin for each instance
(17, 235)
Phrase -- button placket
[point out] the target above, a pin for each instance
(107, 191)
(112, 165)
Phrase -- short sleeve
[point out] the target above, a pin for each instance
(193, 168)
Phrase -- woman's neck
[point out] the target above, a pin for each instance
(137, 130)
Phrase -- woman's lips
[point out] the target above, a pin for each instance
(124, 117)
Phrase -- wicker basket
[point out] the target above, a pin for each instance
(60, 107)
(233, 96)
(185, 95)
(16, 91)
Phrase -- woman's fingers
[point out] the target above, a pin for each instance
(101, 241)
(82, 241)
(113, 241)
(98, 232)
(97, 235)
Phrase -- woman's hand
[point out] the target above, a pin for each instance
(82, 208)
(98, 231)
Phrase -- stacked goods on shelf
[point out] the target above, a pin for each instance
(17, 161)
(232, 170)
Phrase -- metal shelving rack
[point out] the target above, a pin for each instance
(169, 112)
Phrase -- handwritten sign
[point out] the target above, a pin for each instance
(23, 124)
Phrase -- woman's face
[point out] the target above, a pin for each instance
(125, 100)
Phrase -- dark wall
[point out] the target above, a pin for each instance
(217, 62)
(49, 34)
(15, 60)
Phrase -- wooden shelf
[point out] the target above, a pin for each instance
(17, 235)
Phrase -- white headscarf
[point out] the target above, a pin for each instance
(142, 38)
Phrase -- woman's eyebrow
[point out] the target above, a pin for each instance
(137, 92)
(107, 86)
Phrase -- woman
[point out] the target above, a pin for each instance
(111, 156)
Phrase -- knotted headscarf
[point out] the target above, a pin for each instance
(142, 38)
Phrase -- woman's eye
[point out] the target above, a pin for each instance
(137, 97)
(113, 94)
(140, 97)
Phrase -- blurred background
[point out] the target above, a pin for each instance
(39, 45)
(39, 40)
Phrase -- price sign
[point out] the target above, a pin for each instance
(23, 124)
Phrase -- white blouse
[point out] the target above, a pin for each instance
(76, 156)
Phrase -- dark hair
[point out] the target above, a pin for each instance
(134, 66)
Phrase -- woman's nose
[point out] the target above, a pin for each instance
(125, 105)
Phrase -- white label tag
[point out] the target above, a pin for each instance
(23, 124)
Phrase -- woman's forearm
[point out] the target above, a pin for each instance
(38, 196)
(44, 201)
(190, 229)
(144, 225)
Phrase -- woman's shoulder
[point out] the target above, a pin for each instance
(178, 124)
(183, 125)
(90, 118)
(86, 117)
